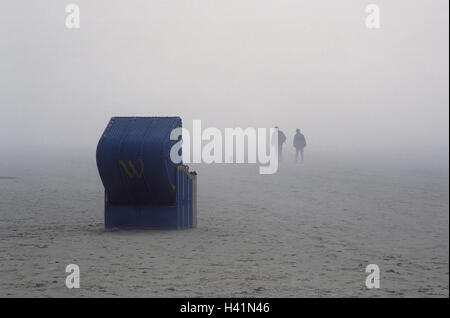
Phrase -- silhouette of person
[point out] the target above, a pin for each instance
(299, 144)
(281, 139)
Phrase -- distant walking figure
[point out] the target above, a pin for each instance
(281, 139)
(299, 144)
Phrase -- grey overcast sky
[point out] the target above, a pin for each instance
(379, 94)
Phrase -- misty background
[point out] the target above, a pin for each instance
(373, 105)
(372, 96)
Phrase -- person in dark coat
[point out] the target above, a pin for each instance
(281, 140)
(299, 144)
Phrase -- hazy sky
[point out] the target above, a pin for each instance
(380, 94)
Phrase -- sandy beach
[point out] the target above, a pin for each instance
(308, 231)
